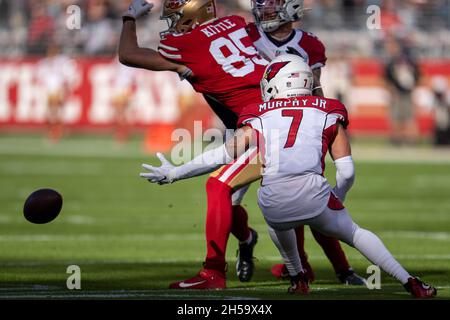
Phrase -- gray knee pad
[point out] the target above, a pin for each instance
(336, 224)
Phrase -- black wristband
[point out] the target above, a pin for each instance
(126, 18)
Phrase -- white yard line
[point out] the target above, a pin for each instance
(81, 262)
(396, 234)
(119, 294)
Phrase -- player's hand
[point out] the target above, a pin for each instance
(138, 8)
(160, 175)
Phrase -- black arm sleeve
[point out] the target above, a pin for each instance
(228, 117)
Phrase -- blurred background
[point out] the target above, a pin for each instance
(394, 80)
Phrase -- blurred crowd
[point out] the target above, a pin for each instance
(29, 27)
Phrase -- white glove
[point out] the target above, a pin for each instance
(160, 175)
(138, 8)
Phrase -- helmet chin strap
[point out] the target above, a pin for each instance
(270, 26)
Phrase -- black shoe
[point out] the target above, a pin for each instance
(244, 264)
(351, 278)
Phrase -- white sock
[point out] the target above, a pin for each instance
(374, 250)
(286, 242)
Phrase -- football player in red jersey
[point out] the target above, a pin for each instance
(294, 131)
(273, 34)
(218, 58)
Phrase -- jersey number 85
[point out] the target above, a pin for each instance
(235, 46)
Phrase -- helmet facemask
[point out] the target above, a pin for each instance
(272, 14)
(268, 14)
(172, 21)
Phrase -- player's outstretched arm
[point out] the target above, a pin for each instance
(130, 54)
(207, 162)
(341, 153)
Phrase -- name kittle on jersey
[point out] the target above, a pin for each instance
(292, 103)
(214, 29)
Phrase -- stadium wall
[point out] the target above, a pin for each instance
(160, 98)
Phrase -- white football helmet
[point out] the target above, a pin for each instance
(271, 14)
(287, 76)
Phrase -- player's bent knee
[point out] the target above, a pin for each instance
(336, 224)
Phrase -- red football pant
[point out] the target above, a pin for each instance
(221, 219)
(330, 246)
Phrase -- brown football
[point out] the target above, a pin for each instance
(42, 206)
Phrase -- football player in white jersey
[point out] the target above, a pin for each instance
(273, 34)
(294, 130)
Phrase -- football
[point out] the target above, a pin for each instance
(42, 206)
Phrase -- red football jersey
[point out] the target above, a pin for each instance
(305, 43)
(223, 59)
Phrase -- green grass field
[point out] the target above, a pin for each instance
(131, 238)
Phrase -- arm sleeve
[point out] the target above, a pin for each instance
(207, 162)
(345, 176)
(316, 50)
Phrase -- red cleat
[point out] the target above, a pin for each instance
(280, 271)
(420, 289)
(299, 284)
(206, 279)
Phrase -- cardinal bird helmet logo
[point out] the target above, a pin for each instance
(273, 70)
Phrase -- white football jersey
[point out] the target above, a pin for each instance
(297, 133)
(308, 45)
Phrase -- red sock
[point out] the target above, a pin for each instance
(333, 251)
(218, 223)
(239, 226)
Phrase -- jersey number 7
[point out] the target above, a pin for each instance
(235, 58)
(297, 116)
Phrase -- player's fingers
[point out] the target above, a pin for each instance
(153, 178)
(148, 167)
(147, 6)
(163, 159)
(147, 175)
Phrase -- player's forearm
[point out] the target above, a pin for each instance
(213, 159)
(345, 176)
(128, 45)
(207, 162)
(130, 54)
